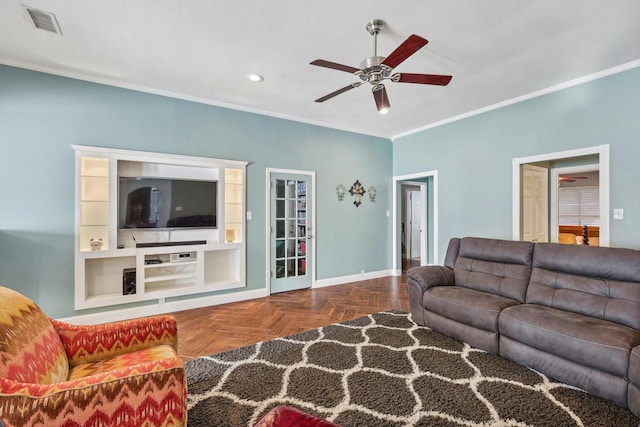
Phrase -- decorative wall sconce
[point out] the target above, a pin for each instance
(341, 191)
(357, 191)
(372, 193)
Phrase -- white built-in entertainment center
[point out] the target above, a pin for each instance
(152, 260)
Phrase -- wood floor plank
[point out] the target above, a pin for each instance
(208, 330)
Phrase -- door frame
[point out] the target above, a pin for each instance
(603, 163)
(396, 262)
(311, 262)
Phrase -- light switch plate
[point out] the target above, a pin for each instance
(618, 214)
(249, 215)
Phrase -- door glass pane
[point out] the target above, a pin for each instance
(280, 188)
(291, 248)
(280, 272)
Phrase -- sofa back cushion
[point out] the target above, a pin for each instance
(500, 267)
(30, 347)
(595, 281)
(452, 252)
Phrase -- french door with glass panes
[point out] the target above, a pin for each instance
(290, 231)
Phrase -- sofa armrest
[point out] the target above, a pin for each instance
(429, 276)
(92, 343)
(419, 280)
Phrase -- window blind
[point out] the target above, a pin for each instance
(579, 206)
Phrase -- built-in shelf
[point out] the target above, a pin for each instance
(108, 259)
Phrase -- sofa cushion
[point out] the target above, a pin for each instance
(150, 356)
(634, 366)
(634, 381)
(499, 267)
(469, 306)
(30, 348)
(587, 340)
(452, 252)
(595, 281)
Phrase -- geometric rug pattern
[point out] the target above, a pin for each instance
(384, 370)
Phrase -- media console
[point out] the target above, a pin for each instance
(113, 269)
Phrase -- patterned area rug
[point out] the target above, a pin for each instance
(383, 370)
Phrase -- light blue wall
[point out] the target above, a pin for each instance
(42, 115)
(473, 156)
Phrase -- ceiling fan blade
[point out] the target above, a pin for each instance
(334, 65)
(338, 92)
(425, 79)
(405, 50)
(382, 100)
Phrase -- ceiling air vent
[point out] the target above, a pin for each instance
(43, 20)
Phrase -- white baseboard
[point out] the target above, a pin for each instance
(167, 307)
(191, 303)
(352, 278)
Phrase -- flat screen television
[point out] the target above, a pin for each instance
(161, 203)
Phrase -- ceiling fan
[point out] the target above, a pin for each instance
(376, 69)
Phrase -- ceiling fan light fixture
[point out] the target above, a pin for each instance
(381, 98)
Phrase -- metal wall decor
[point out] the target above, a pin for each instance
(357, 191)
(372, 193)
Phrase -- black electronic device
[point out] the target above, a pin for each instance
(129, 281)
(160, 244)
(166, 203)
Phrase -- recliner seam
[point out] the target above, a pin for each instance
(465, 305)
(564, 335)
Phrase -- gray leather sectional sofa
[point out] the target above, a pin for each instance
(571, 312)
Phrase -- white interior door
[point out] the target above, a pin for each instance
(414, 223)
(291, 228)
(535, 203)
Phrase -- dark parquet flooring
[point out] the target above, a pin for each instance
(209, 330)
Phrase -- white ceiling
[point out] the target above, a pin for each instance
(498, 51)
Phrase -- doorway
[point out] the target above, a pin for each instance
(413, 224)
(425, 231)
(291, 217)
(601, 152)
(575, 200)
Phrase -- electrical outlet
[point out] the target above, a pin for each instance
(618, 214)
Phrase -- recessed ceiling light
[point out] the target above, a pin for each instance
(255, 77)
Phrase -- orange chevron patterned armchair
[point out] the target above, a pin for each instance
(116, 374)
